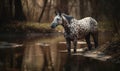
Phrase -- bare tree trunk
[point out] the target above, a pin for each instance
(12, 9)
(116, 26)
(48, 11)
(81, 8)
(43, 9)
(19, 15)
(28, 10)
(64, 6)
(95, 8)
(2, 10)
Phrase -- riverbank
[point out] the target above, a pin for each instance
(109, 51)
(27, 27)
(112, 49)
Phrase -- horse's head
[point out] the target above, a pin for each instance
(61, 19)
(57, 20)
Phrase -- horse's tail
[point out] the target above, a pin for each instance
(93, 24)
(94, 31)
(93, 21)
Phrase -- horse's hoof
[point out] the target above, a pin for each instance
(96, 47)
(69, 53)
(75, 51)
(89, 49)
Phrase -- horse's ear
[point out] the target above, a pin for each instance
(58, 12)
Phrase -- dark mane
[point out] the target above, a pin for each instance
(68, 17)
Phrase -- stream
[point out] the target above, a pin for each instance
(32, 53)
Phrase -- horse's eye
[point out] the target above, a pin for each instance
(58, 19)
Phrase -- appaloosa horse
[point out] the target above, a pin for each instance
(77, 29)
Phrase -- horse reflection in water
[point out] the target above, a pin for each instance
(77, 29)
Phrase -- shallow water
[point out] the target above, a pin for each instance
(35, 57)
(80, 63)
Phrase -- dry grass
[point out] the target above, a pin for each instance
(17, 27)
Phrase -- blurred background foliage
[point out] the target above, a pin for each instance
(106, 12)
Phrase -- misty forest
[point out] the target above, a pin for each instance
(28, 41)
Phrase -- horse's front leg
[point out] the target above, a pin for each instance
(68, 45)
(75, 45)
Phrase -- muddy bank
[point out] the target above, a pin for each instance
(112, 49)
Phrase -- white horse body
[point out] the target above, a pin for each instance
(77, 29)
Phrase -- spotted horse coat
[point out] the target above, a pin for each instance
(77, 29)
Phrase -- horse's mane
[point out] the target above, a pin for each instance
(68, 17)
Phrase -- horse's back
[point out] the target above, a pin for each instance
(89, 20)
(86, 25)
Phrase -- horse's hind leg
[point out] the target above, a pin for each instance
(87, 38)
(95, 38)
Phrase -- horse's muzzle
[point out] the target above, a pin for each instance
(53, 25)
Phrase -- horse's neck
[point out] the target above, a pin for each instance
(69, 26)
(67, 30)
(66, 26)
